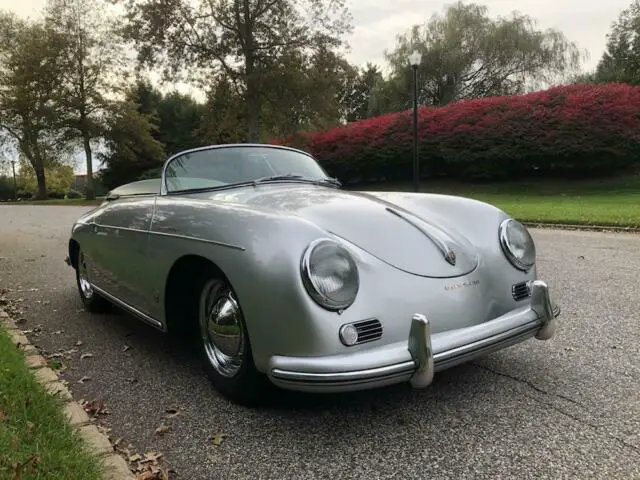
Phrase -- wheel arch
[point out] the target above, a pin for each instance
(182, 275)
(74, 250)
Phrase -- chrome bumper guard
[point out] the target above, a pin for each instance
(420, 335)
(419, 361)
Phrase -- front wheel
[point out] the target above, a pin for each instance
(225, 345)
(93, 302)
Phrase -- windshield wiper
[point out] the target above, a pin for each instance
(331, 181)
(290, 176)
(277, 177)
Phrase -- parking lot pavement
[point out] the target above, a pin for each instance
(566, 408)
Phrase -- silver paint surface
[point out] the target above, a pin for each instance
(257, 234)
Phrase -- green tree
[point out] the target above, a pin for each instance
(223, 119)
(30, 71)
(305, 91)
(359, 101)
(467, 54)
(131, 148)
(91, 56)
(179, 118)
(59, 178)
(621, 59)
(239, 38)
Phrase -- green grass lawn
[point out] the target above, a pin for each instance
(603, 202)
(34, 434)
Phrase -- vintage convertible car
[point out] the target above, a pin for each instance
(283, 276)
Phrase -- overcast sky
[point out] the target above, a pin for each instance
(377, 22)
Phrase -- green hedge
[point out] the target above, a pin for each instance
(575, 130)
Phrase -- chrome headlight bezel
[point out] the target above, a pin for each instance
(313, 289)
(507, 245)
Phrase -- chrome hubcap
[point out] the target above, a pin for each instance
(85, 286)
(221, 329)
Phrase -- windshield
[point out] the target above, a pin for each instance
(219, 167)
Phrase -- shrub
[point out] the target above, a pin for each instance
(574, 130)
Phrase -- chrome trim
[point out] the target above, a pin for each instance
(466, 352)
(368, 330)
(198, 239)
(346, 377)
(420, 370)
(83, 277)
(542, 305)
(134, 311)
(163, 180)
(421, 351)
(305, 271)
(175, 235)
(506, 248)
(225, 351)
(446, 251)
(343, 336)
(521, 291)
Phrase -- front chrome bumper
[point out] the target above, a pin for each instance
(423, 354)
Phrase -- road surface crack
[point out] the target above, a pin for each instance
(582, 421)
(530, 385)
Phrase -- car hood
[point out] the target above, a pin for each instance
(417, 245)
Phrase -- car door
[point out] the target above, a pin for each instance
(123, 229)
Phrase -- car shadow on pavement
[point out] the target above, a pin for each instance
(180, 352)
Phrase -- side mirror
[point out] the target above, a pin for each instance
(111, 197)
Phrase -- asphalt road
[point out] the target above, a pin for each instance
(566, 408)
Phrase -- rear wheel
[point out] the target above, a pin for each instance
(92, 301)
(224, 342)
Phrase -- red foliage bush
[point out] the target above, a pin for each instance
(572, 130)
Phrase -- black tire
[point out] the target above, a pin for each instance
(241, 382)
(91, 300)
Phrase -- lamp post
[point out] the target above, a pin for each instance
(15, 184)
(414, 60)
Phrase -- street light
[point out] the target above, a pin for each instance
(414, 59)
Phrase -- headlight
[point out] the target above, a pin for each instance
(330, 274)
(517, 244)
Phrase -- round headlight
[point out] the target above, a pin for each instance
(517, 244)
(330, 274)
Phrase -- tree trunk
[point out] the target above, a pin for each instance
(89, 191)
(253, 112)
(42, 183)
(253, 87)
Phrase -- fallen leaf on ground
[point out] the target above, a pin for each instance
(162, 429)
(84, 379)
(217, 438)
(126, 347)
(135, 458)
(3, 416)
(173, 412)
(151, 457)
(79, 343)
(86, 355)
(95, 407)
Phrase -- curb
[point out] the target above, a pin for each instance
(586, 228)
(115, 465)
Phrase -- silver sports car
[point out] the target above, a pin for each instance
(284, 277)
